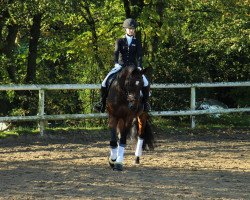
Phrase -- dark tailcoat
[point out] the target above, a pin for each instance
(128, 55)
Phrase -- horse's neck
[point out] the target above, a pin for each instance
(118, 85)
(117, 89)
(121, 81)
(122, 76)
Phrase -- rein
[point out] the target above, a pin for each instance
(123, 90)
(121, 78)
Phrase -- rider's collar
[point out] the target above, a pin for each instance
(129, 39)
(129, 36)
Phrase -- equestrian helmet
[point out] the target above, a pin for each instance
(129, 23)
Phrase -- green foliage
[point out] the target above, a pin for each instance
(224, 120)
(4, 78)
(184, 41)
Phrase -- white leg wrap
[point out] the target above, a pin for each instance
(113, 153)
(138, 151)
(120, 154)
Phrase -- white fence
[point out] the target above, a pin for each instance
(41, 116)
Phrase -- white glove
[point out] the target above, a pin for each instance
(118, 66)
(139, 68)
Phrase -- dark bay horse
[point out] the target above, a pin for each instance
(125, 108)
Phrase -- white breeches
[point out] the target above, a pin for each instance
(116, 69)
(145, 81)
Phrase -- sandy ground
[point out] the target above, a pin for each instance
(199, 164)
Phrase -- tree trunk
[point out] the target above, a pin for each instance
(33, 44)
(133, 8)
(91, 23)
(8, 49)
(4, 15)
(155, 40)
(8, 45)
(127, 8)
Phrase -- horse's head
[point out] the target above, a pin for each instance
(133, 85)
(132, 81)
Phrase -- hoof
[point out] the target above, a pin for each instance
(111, 163)
(137, 160)
(118, 167)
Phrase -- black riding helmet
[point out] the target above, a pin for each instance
(129, 23)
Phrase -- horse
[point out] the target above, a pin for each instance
(125, 112)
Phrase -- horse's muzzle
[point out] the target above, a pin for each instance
(132, 103)
(132, 106)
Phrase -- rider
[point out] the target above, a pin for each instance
(128, 51)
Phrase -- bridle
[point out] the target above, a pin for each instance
(125, 89)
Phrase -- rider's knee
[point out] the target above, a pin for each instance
(145, 81)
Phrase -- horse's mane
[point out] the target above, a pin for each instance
(128, 71)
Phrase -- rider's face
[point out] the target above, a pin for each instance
(130, 31)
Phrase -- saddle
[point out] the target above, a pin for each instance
(110, 79)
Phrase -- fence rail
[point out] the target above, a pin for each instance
(41, 116)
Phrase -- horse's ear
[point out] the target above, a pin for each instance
(147, 71)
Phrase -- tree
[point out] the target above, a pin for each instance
(33, 46)
(63, 41)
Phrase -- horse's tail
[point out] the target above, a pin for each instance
(148, 136)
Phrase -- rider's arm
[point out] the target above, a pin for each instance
(116, 53)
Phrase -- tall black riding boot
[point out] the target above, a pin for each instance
(145, 98)
(101, 105)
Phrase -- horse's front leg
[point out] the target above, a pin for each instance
(113, 140)
(118, 165)
(113, 148)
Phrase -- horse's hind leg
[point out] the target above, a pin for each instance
(138, 150)
(113, 148)
(141, 127)
(121, 147)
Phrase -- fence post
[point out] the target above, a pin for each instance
(192, 106)
(41, 111)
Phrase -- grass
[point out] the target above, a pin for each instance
(17, 132)
(204, 121)
(163, 123)
(63, 126)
